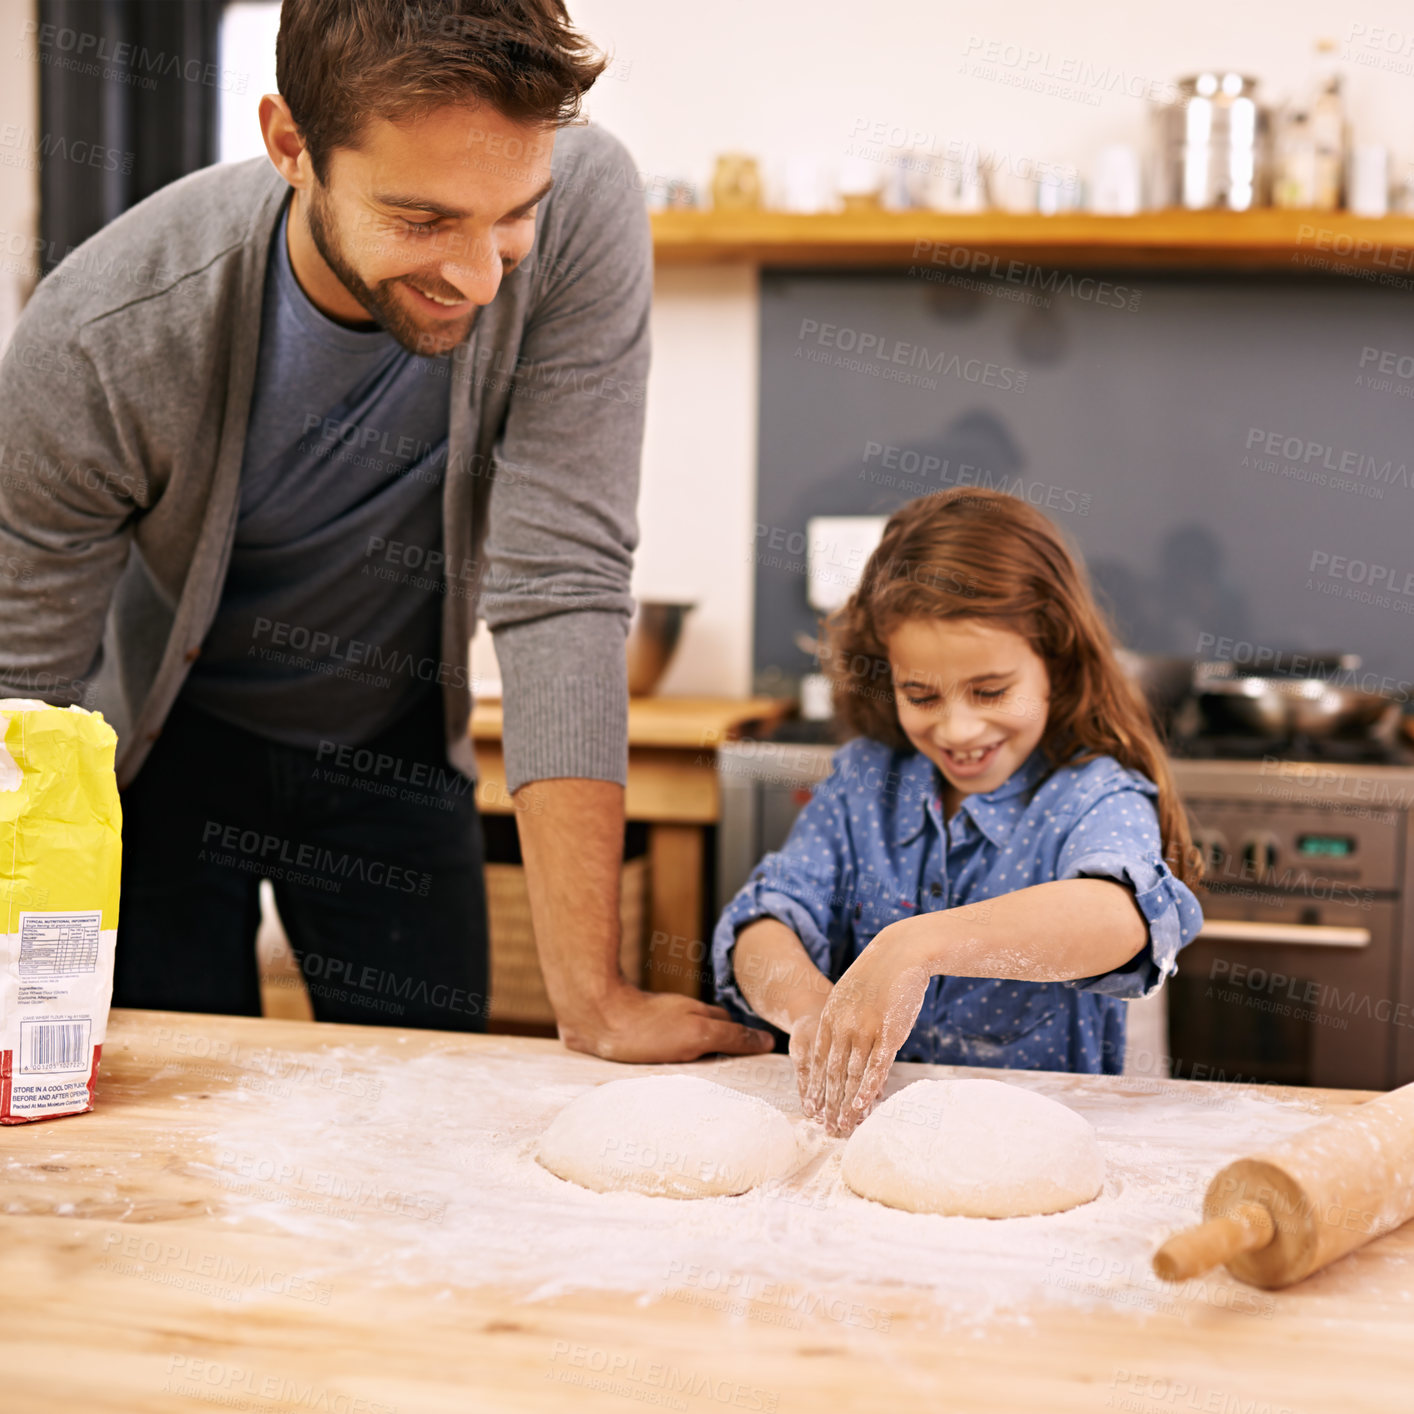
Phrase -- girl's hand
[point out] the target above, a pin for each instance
(867, 1018)
(803, 1031)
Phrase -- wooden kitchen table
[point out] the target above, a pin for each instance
(214, 1236)
(672, 786)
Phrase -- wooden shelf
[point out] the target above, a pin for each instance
(680, 723)
(1297, 242)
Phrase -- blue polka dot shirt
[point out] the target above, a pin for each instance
(872, 847)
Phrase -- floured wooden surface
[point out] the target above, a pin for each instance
(361, 1207)
(439, 1170)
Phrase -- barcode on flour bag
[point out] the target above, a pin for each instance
(55, 1045)
(60, 864)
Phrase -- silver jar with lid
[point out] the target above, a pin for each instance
(1213, 149)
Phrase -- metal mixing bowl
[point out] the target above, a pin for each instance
(652, 637)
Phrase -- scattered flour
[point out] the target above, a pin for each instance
(435, 1182)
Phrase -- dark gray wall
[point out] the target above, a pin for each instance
(1136, 413)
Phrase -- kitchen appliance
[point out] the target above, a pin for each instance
(1304, 971)
(1213, 145)
(1277, 1217)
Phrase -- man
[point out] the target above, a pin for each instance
(271, 439)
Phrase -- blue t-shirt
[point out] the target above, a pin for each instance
(329, 626)
(871, 847)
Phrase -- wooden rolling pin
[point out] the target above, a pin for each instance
(1277, 1217)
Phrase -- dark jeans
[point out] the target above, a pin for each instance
(375, 856)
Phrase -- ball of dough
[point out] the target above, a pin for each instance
(975, 1149)
(671, 1136)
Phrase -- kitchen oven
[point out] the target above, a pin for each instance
(1304, 971)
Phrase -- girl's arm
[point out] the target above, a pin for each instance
(776, 974)
(784, 986)
(796, 899)
(1046, 933)
(1052, 932)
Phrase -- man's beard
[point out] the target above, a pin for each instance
(381, 300)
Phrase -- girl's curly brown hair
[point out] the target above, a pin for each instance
(967, 553)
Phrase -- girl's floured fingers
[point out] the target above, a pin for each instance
(800, 1052)
(835, 1081)
(846, 1066)
(802, 1088)
(819, 1055)
(833, 1072)
(872, 1081)
(837, 1096)
(848, 1114)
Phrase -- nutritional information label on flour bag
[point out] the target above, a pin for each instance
(62, 963)
(58, 944)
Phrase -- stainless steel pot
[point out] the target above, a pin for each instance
(1287, 707)
(1213, 145)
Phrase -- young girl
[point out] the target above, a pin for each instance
(982, 878)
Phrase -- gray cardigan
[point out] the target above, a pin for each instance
(124, 398)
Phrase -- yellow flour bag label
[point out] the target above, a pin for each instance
(61, 858)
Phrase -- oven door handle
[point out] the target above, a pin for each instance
(1315, 935)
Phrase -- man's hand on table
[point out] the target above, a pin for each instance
(630, 1025)
(572, 840)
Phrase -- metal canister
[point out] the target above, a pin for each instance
(1214, 145)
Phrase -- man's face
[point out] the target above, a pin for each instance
(422, 220)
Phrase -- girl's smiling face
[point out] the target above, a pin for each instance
(972, 696)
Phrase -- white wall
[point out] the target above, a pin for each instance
(779, 77)
(19, 162)
(789, 76)
(248, 30)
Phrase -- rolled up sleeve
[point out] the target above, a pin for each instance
(1118, 838)
(803, 884)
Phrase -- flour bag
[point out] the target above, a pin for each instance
(60, 863)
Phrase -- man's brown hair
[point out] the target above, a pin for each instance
(340, 62)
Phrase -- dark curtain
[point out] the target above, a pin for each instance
(128, 101)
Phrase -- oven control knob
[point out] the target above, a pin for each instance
(1259, 854)
(1213, 846)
